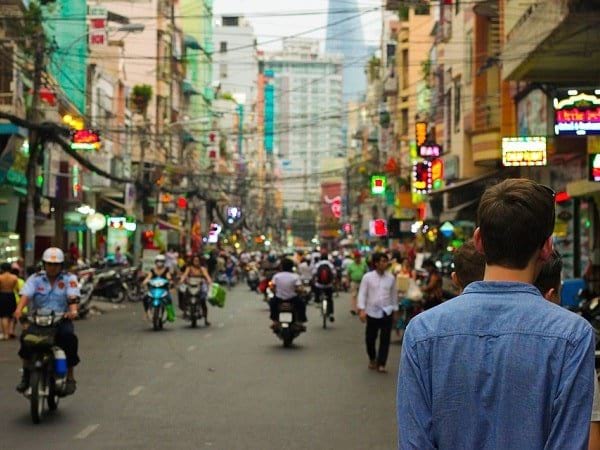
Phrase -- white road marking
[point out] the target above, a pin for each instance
(191, 348)
(168, 365)
(83, 434)
(136, 390)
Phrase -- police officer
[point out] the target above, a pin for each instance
(56, 290)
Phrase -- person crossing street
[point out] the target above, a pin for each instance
(377, 306)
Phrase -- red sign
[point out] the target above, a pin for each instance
(85, 137)
(331, 209)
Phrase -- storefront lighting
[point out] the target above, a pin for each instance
(416, 226)
(14, 237)
(267, 243)
(524, 151)
(85, 210)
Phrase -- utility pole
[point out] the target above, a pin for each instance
(34, 144)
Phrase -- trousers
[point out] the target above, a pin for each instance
(383, 328)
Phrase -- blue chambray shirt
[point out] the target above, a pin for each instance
(498, 367)
(44, 296)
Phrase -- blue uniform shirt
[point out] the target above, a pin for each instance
(44, 296)
(496, 368)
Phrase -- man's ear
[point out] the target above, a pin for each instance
(547, 249)
(551, 296)
(456, 281)
(478, 241)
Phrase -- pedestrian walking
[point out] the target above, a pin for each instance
(356, 271)
(377, 304)
(499, 367)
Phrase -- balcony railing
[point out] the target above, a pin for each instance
(486, 113)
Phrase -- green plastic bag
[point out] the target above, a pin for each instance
(217, 295)
(170, 313)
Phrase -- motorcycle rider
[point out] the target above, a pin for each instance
(57, 290)
(159, 270)
(324, 273)
(197, 270)
(286, 284)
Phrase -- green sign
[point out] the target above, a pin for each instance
(378, 184)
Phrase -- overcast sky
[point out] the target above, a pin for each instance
(268, 28)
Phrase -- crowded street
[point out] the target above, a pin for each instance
(229, 386)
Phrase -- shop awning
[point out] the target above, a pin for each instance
(583, 188)
(459, 212)
(463, 183)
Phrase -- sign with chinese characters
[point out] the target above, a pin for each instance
(378, 184)
(524, 151)
(430, 151)
(422, 180)
(594, 167)
(85, 140)
(577, 112)
(97, 33)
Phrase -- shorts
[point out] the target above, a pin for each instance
(354, 287)
(8, 304)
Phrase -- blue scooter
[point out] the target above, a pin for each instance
(159, 301)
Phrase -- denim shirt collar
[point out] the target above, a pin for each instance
(499, 287)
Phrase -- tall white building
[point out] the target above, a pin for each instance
(308, 116)
(235, 64)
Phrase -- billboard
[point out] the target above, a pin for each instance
(331, 209)
(577, 112)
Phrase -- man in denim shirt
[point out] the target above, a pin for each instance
(499, 367)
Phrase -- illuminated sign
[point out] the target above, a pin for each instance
(430, 151)
(437, 173)
(420, 132)
(422, 177)
(524, 151)
(378, 228)
(594, 167)
(85, 140)
(378, 184)
(577, 113)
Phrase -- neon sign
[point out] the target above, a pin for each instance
(422, 177)
(85, 140)
(378, 184)
(421, 132)
(524, 151)
(430, 151)
(577, 114)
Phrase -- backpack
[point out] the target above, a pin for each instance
(324, 274)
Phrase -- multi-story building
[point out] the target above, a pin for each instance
(307, 92)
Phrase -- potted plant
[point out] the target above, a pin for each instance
(141, 96)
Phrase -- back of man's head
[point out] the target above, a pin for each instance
(469, 265)
(515, 218)
(549, 279)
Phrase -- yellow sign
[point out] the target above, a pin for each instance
(524, 151)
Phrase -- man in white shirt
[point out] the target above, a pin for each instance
(286, 284)
(377, 306)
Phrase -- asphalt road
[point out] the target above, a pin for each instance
(229, 386)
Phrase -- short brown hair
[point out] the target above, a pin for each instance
(469, 264)
(515, 218)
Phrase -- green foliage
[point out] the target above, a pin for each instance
(141, 96)
(226, 96)
(373, 67)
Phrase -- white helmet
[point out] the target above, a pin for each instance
(53, 255)
(160, 258)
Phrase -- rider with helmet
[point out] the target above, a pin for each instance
(160, 269)
(56, 290)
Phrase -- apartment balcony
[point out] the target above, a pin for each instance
(11, 103)
(486, 113)
(485, 132)
(552, 41)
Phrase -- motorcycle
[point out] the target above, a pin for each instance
(252, 279)
(133, 277)
(287, 328)
(194, 295)
(110, 285)
(158, 298)
(47, 365)
(86, 288)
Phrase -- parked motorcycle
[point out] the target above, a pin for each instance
(47, 365)
(158, 298)
(287, 328)
(133, 277)
(109, 285)
(194, 296)
(86, 289)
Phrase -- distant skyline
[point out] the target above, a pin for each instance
(271, 28)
